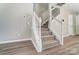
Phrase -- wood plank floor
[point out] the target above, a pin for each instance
(27, 48)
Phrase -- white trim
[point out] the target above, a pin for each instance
(36, 35)
(70, 24)
(12, 41)
(68, 35)
(35, 44)
(44, 22)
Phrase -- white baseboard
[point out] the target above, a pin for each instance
(67, 35)
(12, 41)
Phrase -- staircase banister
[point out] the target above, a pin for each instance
(37, 18)
(57, 19)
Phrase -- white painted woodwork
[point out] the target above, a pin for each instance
(36, 32)
(55, 26)
(77, 24)
(70, 25)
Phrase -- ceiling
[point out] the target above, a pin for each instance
(72, 6)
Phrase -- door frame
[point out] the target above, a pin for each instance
(77, 25)
(70, 25)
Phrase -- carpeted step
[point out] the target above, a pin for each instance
(43, 33)
(44, 29)
(50, 45)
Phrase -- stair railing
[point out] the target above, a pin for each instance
(55, 26)
(58, 30)
(36, 32)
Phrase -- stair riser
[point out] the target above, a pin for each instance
(48, 38)
(46, 33)
(45, 29)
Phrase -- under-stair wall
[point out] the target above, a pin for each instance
(36, 32)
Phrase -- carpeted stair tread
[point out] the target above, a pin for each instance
(49, 43)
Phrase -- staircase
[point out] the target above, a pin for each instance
(48, 39)
(47, 29)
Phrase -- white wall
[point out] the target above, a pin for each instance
(64, 15)
(39, 8)
(14, 20)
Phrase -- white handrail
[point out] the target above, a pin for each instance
(57, 19)
(37, 18)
